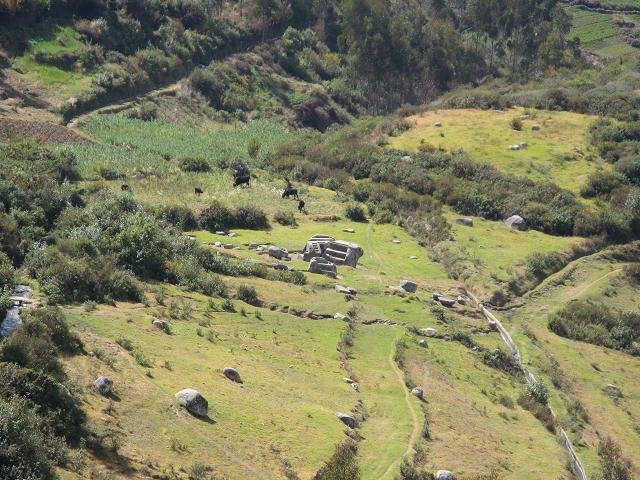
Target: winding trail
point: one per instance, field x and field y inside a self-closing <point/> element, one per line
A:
<point x="414" y="417"/>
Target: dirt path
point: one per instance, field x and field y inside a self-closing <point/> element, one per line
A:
<point x="597" y="280"/>
<point x="123" y="103"/>
<point x="414" y="417"/>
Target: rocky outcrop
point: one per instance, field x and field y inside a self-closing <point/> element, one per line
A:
<point x="516" y="222"/>
<point x="103" y="385"/>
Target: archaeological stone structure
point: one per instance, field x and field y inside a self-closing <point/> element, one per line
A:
<point x="335" y="251"/>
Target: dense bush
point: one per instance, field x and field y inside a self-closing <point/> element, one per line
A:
<point x="28" y="447"/>
<point x="193" y="164"/>
<point x="613" y="464"/>
<point x="180" y="217"/>
<point x="47" y="396"/>
<point x="355" y="212"/>
<point x="541" y="265"/>
<point x="217" y="217"/>
<point x="501" y="360"/>
<point x="285" y="218"/>
<point x="248" y="294"/>
<point x="596" y="323"/>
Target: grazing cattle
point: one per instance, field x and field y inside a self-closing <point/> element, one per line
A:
<point x="290" y="192"/>
<point x="301" y="206"/>
<point x="198" y="191"/>
<point x="125" y="188"/>
<point x="243" y="180"/>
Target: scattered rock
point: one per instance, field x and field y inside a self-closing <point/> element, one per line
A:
<point x="436" y="295"/>
<point x="253" y="246"/>
<point x="218" y="244"/>
<point x="348" y="380"/>
<point x="280" y="266"/>
<point x="348" y="420"/>
<point x="408" y="286"/>
<point x="341" y="316"/>
<point x="535" y="127"/>
<point x="493" y="325"/>
<point x="524" y="144"/>
<point x="161" y="325"/>
<point x="193" y="402"/>
<point x="395" y="240"/>
<point x="232" y="234"/>
<point x="445" y="475"/>
<point x="347" y="290"/>
<point x="232" y="374"/>
<point x="418" y="392"/>
<point x="447" y="302"/>
<point x="278" y="252"/>
<point x="413" y="257"/>
<point x="429" y="332"/>
<point x="349" y="230"/>
<point x="467" y="222"/>
<point x="423" y="343"/>
<point x="516" y="222"/>
<point x="219" y="232"/>
<point x="228" y="246"/>
<point x="323" y="266"/>
<point x="513" y="147"/>
<point x="437" y="124"/>
<point x="462" y="300"/>
<point x="356" y="387"/>
<point x="103" y="385"/>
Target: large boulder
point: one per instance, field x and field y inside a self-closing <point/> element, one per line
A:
<point x="429" y="332"/>
<point x="445" y="475"/>
<point x="278" y="252"/>
<point x="516" y="222"/>
<point x="103" y="385"/>
<point x="348" y="420"/>
<point x="345" y="290"/>
<point x="467" y="222"/>
<point x="193" y="402"/>
<point x="232" y="374"/>
<point x="408" y="286"/>
<point x="447" y="302"/>
<point x="418" y="392"/>
<point x="161" y="325"/>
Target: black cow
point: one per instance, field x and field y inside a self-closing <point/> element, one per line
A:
<point x="198" y="191"/>
<point x="242" y="180"/>
<point x="125" y="188"/>
<point x="290" y="192"/>
<point x="301" y="206"/>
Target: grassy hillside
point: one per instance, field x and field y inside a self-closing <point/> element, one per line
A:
<point x="556" y="153"/>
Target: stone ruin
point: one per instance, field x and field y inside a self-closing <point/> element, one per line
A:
<point x="335" y="251"/>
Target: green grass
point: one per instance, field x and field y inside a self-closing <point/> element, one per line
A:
<point x="285" y="409"/>
<point x="556" y="153"/>
<point x="62" y="40"/>
<point x="472" y="432"/>
<point x="586" y="368"/>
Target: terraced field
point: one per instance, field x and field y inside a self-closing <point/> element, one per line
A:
<point x="599" y="34"/>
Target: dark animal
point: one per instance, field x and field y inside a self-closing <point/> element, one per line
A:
<point x="242" y="180"/>
<point x="290" y="192"/>
<point x="301" y="206"/>
<point x="198" y="191"/>
<point x="125" y="188"/>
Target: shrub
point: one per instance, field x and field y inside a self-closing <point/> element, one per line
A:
<point x="28" y="448"/>
<point x="250" y="217"/>
<point x="342" y="465"/>
<point x="614" y="466"/>
<point x="600" y="184"/>
<point x="62" y="412"/>
<point x="7" y="273"/>
<point x="355" y="212"/>
<point x="180" y="217"/>
<point x="538" y="391"/>
<point x="501" y="360"/>
<point x="106" y="171"/>
<point x="248" y="294"/>
<point x="633" y="272"/>
<point x="56" y="328"/>
<point x="285" y="218"/>
<point x="228" y="306"/>
<point x="193" y="164"/>
<point x="516" y="124"/>
<point x="215" y="217"/>
<point x="541" y="265"/>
